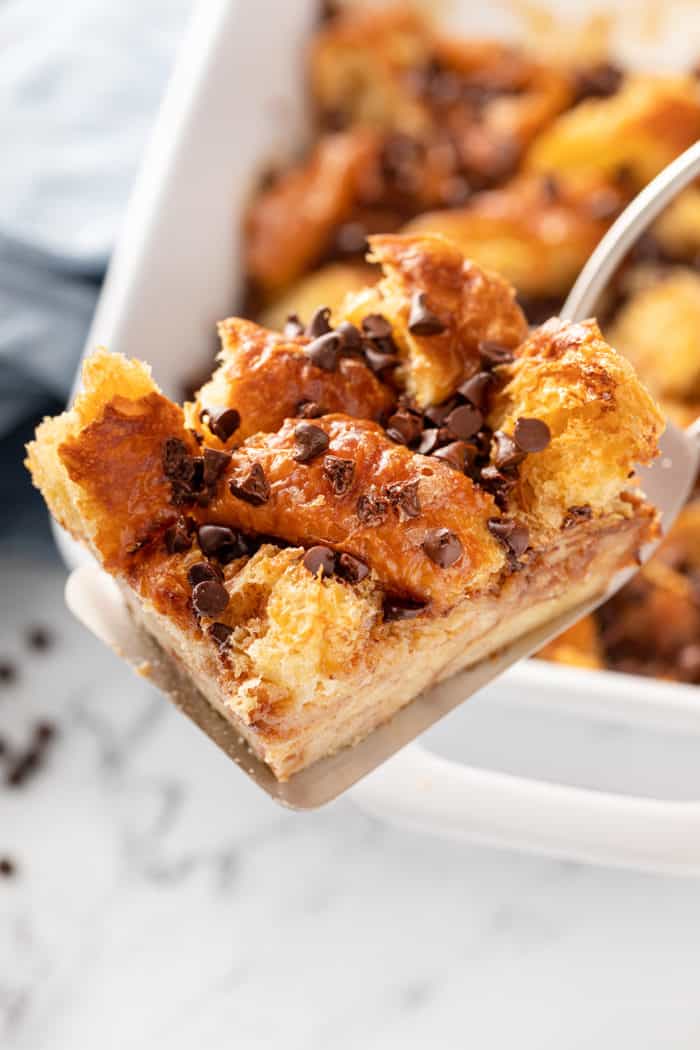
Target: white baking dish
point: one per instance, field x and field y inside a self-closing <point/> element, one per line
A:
<point x="235" y="101"/>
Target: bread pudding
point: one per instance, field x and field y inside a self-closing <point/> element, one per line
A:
<point x="362" y="504"/>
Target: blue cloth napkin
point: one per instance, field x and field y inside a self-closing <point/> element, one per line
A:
<point x="80" y="83"/>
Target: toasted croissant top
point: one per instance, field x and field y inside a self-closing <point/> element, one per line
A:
<point x="477" y="452"/>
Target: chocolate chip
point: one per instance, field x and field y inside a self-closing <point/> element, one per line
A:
<point x="7" y="867"/>
<point x="463" y="422"/>
<point x="351" y="569"/>
<point x="311" y="442"/>
<point x="429" y="442"/>
<point x="319" y="323"/>
<point x="531" y="435"/>
<point x="220" y="542"/>
<point x="397" y="608"/>
<point x="498" y="483"/>
<point x="507" y="453"/>
<point x="214" y="464"/>
<point x="350" y="336"/>
<point x="437" y="414"/>
<point x="575" y="514"/>
<point x="476" y="389"/>
<point x="251" y="485"/>
<point x="514" y="537"/>
<point x="403" y="496"/>
<point x="178" y="538"/>
<point x="320" y="560"/>
<point x="224" y="423"/>
<point x="220" y="632"/>
<point x="404" y="426"/>
<point x="209" y="598"/>
<point x="203" y="570"/>
<point x="379" y="361"/>
<point x="8" y="672"/>
<point x="493" y="354"/>
<point x="454" y="454"/>
<point x="23" y="767"/>
<point x="324" y="350"/>
<point x="598" y="81"/>
<point x="443" y="547"/>
<point x="39" y="638"/>
<point x="309" y="410"/>
<point x="44" y="732"/>
<point x="376" y="326"/>
<point x="372" y="510"/>
<point x="340" y="473"/>
<point x="351" y="238"/>
<point x="421" y="320"/>
<point x="181" y="469"/>
<point x="293" y="327"/>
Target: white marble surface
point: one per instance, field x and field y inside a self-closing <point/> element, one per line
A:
<point x="160" y="900"/>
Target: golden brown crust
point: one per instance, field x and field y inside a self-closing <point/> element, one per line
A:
<point x="639" y="130"/>
<point x="266" y="377"/>
<point x="288" y="225"/>
<point x="601" y="419"/>
<point x="328" y="285"/>
<point x="537" y="232"/>
<point x="364" y="521"/>
<point x="472" y="305"/>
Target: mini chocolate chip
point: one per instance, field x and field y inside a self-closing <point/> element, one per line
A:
<point x="8" y="672"/>
<point x="463" y="422"/>
<point x="209" y="598"/>
<point x="203" y="570"/>
<point x="531" y="435"/>
<point x="214" y="464"/>
<point x="350" y="335"/>
<point x="422" y="321"/>
<point x="340" y="473"/>
<point x="429" y="442"/>
<point x="378" y="360"/>
<point x="7" y="867"/>
<point x="351" y="238"/>
<point x="507" y="453"/>
<point x="4" y="749"/>
<point x="220" y="542"/>
<point x="443" y="547"/>
<point x="376" y="326"/>
<point x="437" y="414"/>
<point x="372" y="510"/>
<point x="311" y="442"/>
<point x="324" y="350"/>
<point x="320" y="560"/>
<point x="584" y="512"/>
<point x="251" y="485"/>
<point x="351" y="569"/>
<point x="408" y="425"/>
<point x="454" y="454"/>
<point x="175" y="455"/>
<point x="44" y="732"/>
<point x="293" y="327"/>
<point x="476" y="389"/>
<point x="177" y="538"/>
<point x="514" y="537"/>
<point x="319" y="323"/>
<point x="309" y="410"/>
<point x="224" y="423"/>
<point x="220" y="632"/>
<point x="23" y="767"/>
<point x="397" y="608"/>
<point x="403" y="495"/>
<point x="493" y="354"/>
<point x="39" y="638"/>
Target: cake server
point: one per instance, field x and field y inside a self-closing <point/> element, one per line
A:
<point x="97" y="602"/>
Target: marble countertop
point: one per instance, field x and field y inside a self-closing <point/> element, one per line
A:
<point x="160" y="899"/>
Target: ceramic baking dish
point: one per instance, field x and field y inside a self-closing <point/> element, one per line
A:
<point x="235" y="102"/>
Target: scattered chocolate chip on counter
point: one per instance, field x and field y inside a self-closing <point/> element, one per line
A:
<point x="8" y="867"/>
<point x="8" y="672"/>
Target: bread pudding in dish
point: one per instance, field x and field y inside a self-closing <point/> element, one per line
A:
<point x="354" y="508"/>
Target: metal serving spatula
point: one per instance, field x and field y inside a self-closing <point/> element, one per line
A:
<point x="95" y="600"/>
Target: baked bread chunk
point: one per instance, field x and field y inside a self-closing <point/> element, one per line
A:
<point x="313" y="574"/>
